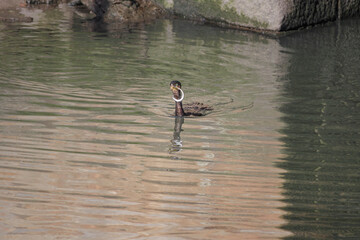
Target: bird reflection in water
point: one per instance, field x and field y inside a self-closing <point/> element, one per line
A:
<point x="176" y="143"/>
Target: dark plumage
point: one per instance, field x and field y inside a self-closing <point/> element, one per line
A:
<point x="192" y="109"/>
<point x="196" y="109"/>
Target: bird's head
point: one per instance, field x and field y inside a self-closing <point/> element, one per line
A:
<point x="175" y="87"/>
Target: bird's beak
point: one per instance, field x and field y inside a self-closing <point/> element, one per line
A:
<point x="173" y="89"/>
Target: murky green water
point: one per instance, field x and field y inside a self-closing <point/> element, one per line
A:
<point x="89" y="149"/>
<point x="322" y="132"/>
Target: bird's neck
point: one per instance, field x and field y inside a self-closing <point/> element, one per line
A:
<point x="179" y="111"/>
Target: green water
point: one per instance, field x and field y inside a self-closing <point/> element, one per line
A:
<point x="322" y="132"/>
<point x="89" y="148"/>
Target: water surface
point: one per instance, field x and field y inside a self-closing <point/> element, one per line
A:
<point x="322" y="132"/>
<point x="89" y="148"/>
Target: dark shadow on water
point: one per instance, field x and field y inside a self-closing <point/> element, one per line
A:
<point x="176" y="143"/>
<point x="322" y="132"/>
<point x="97" y="25"/>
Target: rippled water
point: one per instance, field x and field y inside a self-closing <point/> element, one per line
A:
<point x="89" y="148"/>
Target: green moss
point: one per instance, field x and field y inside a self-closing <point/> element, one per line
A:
<point x="212" y="10"/>
<point x="167" y="4"/>
<point x="216" y="10"/>
<point x="242" y="18"/>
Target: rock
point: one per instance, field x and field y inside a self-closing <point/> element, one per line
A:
<point x="124" y="10"/>
<point x="134" y="10"/>
<point x="10" y="13"/>
<point x="258" y="15"/>
<point x="75" y="3"/>
<point x="348" y="8"/>
<point x="267" y="15"/>
<point x="42" y="1"/>
<point x="307" y="13"/>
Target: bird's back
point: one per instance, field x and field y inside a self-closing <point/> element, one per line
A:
<point x="196" y="109"/>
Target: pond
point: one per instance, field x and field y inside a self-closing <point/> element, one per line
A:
<point x="90" y="149"/>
